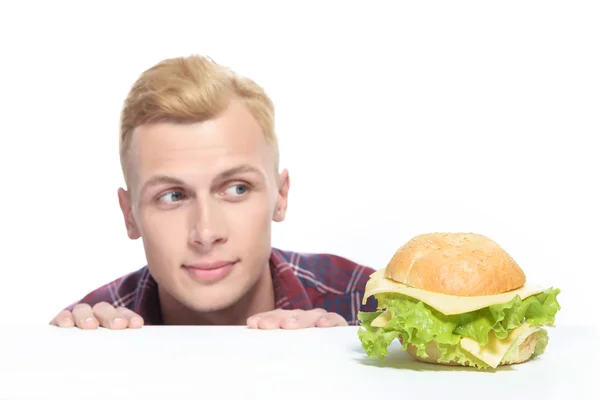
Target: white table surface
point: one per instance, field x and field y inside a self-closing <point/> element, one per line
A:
<point x="236" y="362"/>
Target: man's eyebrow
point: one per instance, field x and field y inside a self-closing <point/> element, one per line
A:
<point x="161" y="180"/>
<point x="244" y="168"/>
<point x="157" y="180"/>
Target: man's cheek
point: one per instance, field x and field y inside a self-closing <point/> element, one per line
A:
<point x="256" y="223"/>
<point x="164" y="225"/>
<point x="164" y="243"/>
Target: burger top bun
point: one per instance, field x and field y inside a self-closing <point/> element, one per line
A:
<point x="458" y="264"/>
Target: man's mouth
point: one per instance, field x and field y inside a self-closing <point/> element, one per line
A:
<point x="206" y="271"/>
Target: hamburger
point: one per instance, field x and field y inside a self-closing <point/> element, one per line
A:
<point x="457" y="299"/>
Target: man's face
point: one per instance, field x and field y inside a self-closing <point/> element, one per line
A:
<point x="200" y="196"/>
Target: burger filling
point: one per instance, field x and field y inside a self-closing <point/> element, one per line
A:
<point x="483" y="338"/>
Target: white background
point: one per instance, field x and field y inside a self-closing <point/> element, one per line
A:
<point x="395" y="118"/>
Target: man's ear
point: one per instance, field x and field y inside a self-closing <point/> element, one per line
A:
<point x="125" y="203"/>
<point x="282" y="196"/>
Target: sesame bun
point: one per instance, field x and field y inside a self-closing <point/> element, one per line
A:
<point x="458" y="264"/>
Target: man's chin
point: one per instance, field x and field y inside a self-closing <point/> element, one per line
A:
<point x="212" y="298"/>
<point x="213" y="305"/>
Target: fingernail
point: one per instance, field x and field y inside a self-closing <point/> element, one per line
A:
<point x="292" y="320"/>
<point x="117" y="320"/>
<point x="88" y="319"/>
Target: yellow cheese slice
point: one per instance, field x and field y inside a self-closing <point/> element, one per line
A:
<point x="446" y="304"/>
<point x="495" y="350"/>
<point x="382" y="320"/>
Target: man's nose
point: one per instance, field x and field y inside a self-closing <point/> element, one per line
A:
<point x="207" y="225"/>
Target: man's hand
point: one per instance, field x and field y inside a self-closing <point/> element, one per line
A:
<point x="295" y="319"/>
<point x="102" y="314"/>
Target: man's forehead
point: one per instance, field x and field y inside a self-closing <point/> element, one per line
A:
<point x="207" y="147"/>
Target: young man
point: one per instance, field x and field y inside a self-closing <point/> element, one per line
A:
<point x="201" y="165"/>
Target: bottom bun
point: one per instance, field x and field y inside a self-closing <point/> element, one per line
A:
<point x="526" y="350"/>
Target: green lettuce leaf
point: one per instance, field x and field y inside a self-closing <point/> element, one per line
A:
<point x="416" y="323"/>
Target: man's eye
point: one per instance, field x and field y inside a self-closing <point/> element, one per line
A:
<point x="171" y="197"/>
<point x="236" y="190"/>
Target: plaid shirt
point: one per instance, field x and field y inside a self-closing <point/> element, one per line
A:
<point x="301" y="281"/>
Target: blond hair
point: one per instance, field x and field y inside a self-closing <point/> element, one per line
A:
<point x="187" y="90"/>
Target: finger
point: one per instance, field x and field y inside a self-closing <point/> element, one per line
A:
<point x="108" y="316"/>
<point x="331" y="320"/>
<point x="64" y="319"/>
<point x="84" y="317"/>
<point x="253" y="321"/>
<point x="269" y="322"/>
<point x="306" y="319"/>
<point x="134" y="321"/>
<point x="290" y="321"/>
